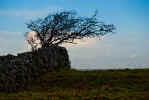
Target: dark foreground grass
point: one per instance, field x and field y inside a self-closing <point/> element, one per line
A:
<point x="87" y="85"/>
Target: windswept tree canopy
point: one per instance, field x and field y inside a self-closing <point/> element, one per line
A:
<point x="65" y="26"/>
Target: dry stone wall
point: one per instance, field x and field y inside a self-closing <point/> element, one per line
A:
<point x="18" y="72"/>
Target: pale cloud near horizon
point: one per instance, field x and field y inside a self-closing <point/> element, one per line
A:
<point x="10" y="34"/>
<point x="133" y="55"/>
<point x="12" y="42"/>
<point x="110" y="53"/>
<point x="85" y="42"/>
<point x="89" y="53"/>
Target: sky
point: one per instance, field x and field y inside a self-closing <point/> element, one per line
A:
<point x="127" y="48"/>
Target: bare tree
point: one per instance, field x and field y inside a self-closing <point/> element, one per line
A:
<point x="65" y="26"/>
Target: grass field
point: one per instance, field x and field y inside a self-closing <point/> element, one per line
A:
<point x="87" y="85"/>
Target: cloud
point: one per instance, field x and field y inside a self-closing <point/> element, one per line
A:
<point x="133" y="55"/>
<point x="115" y="52"/>
<point x="12" y="42"/>
<point x="80" y="43"/>
<point x="90" y="53"/>
<point x="10" y="35"/>
<point x="12" y="46"/>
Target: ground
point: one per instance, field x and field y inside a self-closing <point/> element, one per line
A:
<point x="87" y="85"/>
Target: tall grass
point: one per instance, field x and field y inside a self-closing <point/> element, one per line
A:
<point x="87" y="85"/>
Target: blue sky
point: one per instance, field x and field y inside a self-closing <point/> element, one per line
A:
<point x="127" y="48"/>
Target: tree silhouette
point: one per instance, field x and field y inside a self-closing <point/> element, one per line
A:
<point x="65" y="26"/>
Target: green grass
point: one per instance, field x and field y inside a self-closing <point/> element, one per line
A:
<point x="87" y="85"/>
